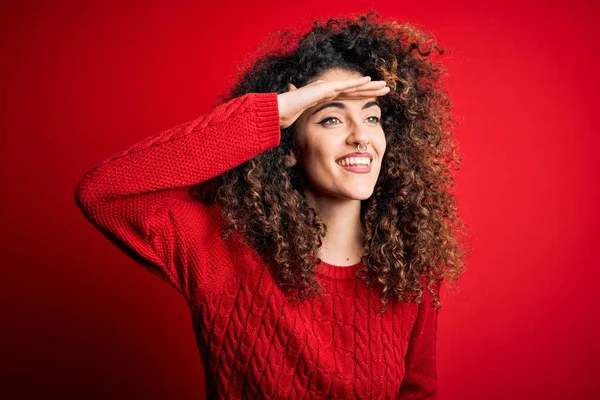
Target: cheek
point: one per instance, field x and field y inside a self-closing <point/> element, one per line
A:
<point x="317" y="161"/>
<point x="382" y="142"/>
<point x="317" y="151"/>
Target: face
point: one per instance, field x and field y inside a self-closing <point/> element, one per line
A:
<point x="329" y="131"/>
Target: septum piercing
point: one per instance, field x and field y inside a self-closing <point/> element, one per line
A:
<point x="358" y="148"/>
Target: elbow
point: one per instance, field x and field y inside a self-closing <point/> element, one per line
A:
<point x="84" y="196"/>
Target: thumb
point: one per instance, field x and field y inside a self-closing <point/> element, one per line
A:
<point x="292" y="87"/>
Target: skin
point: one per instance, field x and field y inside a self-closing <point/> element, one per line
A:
<point x="326" y="136"/>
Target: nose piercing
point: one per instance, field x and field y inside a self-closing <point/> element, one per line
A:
<point x="358" y="148"/>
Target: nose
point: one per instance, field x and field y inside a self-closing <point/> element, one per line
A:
<point x="358" y="134"/>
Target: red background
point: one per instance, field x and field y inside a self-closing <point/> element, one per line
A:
<point x="82" y="81"/>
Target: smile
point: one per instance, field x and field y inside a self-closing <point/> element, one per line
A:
<point x="354" y="161"/>
<point x="358" y="165"/>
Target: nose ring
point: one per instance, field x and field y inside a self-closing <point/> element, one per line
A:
<point x="358" y="148"/>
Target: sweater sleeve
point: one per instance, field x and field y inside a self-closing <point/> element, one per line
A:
<point x="139" y="199"/>
<point x="420" y="378"/>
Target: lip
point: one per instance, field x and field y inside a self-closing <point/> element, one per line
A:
<point x="357" y="170"/>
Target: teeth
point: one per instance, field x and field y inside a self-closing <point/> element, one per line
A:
<point x="354" y="161"/>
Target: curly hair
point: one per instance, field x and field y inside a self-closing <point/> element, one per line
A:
<point x="411" y="226"/>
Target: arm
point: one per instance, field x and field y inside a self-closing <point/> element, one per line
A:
<point x="420" y="377"/>
<point x="138" y="198"/>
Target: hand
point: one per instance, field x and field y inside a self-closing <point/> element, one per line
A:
<point x="294" y="102"/>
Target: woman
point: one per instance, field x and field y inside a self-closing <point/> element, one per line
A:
<point x="307" y="219"/>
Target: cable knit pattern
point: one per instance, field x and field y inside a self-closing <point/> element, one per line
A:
<point x="254" y="344"/>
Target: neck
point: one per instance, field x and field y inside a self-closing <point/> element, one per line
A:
<point x="342" y="244"/>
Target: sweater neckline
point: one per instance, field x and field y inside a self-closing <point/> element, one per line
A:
<point x="338" y="272"/>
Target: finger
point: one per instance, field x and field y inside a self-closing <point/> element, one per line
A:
<point x="384" y="89"/>
<point x="349" y="83"/>
<point x="364" y="94"/>
<point x="321" y="90"/>
<point x="332" y="89"/>
<point x="375" y="85"/>
<point x="292" y="87"/>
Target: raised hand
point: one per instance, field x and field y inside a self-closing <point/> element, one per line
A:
<point x="294" y="102"/>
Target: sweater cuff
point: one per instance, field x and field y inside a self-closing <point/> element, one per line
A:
<point x="267" y="111"/>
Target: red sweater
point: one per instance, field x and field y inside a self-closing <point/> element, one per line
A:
<point x="252" y="341"/>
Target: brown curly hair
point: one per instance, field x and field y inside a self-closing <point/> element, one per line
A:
<point x="412" y="231"/>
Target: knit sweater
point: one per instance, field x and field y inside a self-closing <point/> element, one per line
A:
<point x="253" y="342"/>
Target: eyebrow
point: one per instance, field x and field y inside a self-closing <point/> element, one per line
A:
<point x="337" y="104"/>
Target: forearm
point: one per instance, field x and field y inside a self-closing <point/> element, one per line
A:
<point x="189" y="153"/>
<point x="138" y="198"/>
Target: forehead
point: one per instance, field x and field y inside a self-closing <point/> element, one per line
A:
<point x="339" y="74"/>
<point x="335" y="74"/>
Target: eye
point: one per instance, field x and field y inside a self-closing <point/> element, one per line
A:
<point x="373" y="119"/>
<point x="326" y="121"/>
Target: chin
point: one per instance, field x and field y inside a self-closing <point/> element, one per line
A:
<point x="361" y="194"/>
<point x="347" y="192"/>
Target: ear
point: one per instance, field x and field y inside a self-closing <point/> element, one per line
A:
<point x="290" y="159"/>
